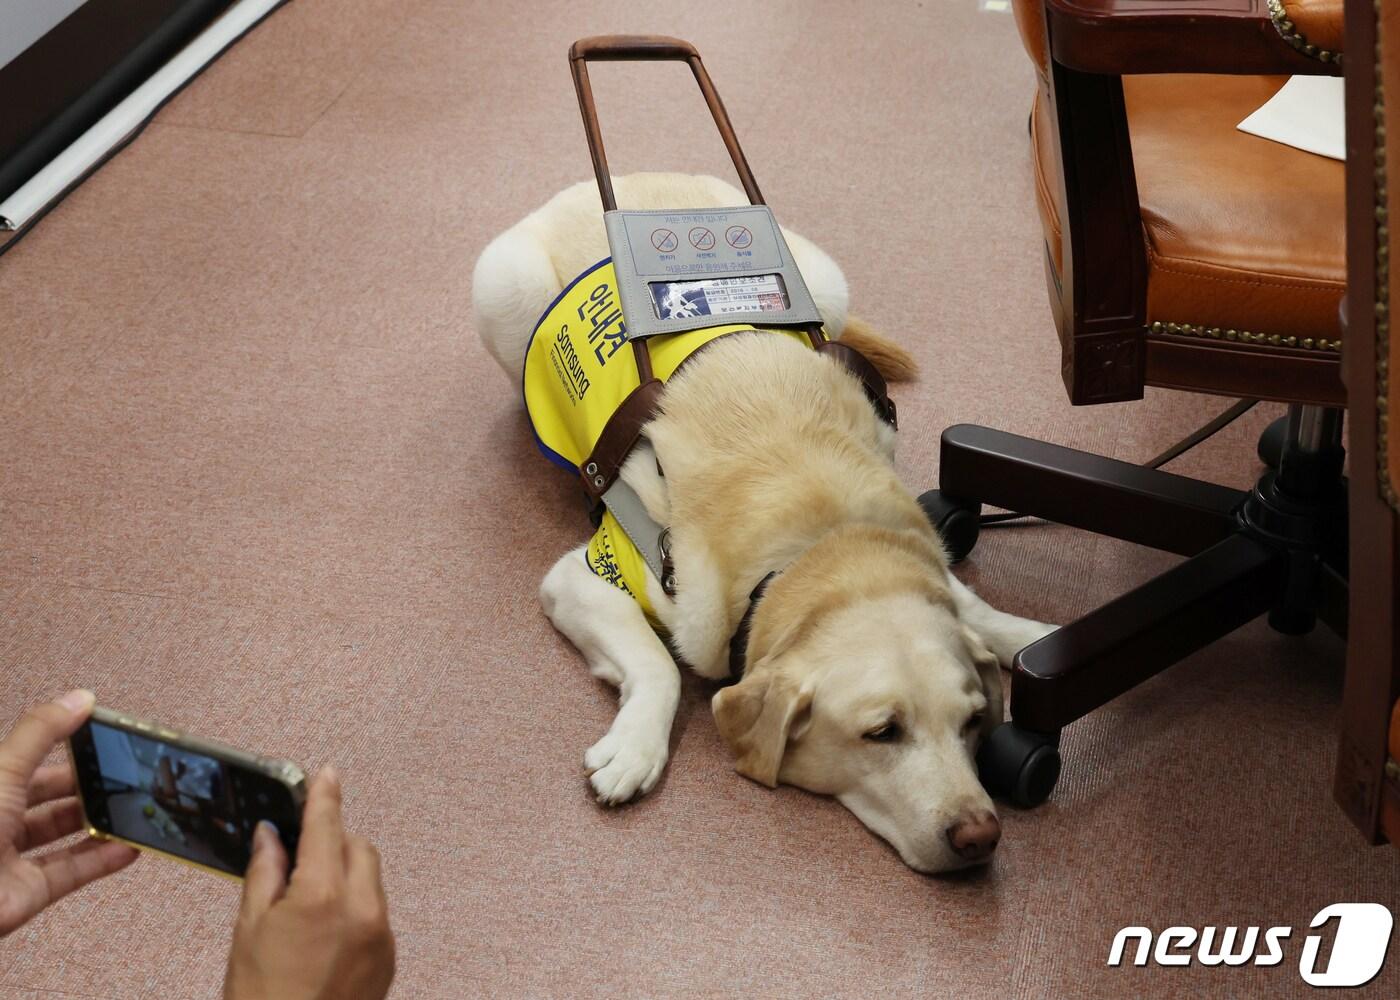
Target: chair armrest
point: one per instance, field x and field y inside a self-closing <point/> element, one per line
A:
<point x="1315" y="27"/>
<point x="1118" y="37"/>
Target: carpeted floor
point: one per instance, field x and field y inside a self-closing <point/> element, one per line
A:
<point x="259" y="479"/>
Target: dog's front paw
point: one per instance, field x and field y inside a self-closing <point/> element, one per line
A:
<point x="626" y="762"/>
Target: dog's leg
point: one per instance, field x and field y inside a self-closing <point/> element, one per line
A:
<point x="1005" y="635"/>
<point x="609" y="629"/>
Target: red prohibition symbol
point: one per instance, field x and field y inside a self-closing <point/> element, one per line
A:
<point x="701" y="238"/>
<point x="664" y="240"/>
<point x="738" y="237"/>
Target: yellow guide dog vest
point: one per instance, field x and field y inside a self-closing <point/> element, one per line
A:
<point x="578" y="375"/>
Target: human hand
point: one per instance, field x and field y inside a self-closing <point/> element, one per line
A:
<point x="37" y="807"/>
<point x="325" y="934"/>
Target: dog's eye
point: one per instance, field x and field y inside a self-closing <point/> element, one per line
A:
<point x="887" y="733"/>
<point x="974" y="721"/>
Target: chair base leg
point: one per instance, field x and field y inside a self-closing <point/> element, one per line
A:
<point x="1278" y="550"/>
<point x="1105" y="496"/>
<point x="1089" y="662"/>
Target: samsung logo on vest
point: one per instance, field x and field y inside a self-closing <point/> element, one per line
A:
<point x="564" y="347"/>
<point x="1358" y="947"/>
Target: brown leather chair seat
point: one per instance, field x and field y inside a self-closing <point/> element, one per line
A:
<point x="1222" y="257"/>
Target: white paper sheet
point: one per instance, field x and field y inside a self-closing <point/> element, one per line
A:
<point x="1308" y="113"/>
<point x="121" y="121"/>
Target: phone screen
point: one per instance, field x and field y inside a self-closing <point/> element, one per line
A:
<point x="195" y="806"/>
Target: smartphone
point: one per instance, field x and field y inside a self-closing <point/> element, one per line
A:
<point x="189" y="799"/>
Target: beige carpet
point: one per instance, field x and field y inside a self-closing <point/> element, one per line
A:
<point x="259" y="479"/>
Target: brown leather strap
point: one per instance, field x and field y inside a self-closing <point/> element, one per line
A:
<point x="625" y="426"/>
<point x="642" y="353"/>
<point x="854" y="362"/>
<point x="619" y="437"/>
<point x="869" y="375"/>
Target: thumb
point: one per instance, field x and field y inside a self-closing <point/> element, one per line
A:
<point x="266" y="878"/>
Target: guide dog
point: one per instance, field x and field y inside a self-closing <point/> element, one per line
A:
<point x="869" y="673"/>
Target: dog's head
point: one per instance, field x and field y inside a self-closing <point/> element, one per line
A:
<point x="866" y="686"/>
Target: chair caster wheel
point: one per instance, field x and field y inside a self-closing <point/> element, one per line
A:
<point x="956" y="521"/>
<point x="1018" y="765"/>
<point x="1271" y="442"/>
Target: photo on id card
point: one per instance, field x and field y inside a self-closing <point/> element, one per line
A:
<point x="719" y="296"/>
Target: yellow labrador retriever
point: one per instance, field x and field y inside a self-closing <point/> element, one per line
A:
<point x="870" y="672"/>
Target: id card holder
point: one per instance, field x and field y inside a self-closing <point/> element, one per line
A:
<point x="690" y="269"/>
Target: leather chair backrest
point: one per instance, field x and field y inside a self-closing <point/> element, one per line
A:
<point x="1389" y="354"/>
<point x="1389" y="28"/>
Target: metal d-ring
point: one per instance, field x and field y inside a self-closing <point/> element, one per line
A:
<point x="668" y="568"/>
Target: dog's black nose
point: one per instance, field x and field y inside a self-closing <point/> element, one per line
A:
<point x="975" y="837"/>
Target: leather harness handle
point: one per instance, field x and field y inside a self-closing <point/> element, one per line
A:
<point x="648" y="48"/>
<point x="653" y="48"/>
<point x="621" y="432"/>
<point x="601" y="48"/>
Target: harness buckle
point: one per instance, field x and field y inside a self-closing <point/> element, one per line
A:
<point x="668" y="566"/>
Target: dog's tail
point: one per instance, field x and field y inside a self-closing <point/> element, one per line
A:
<point x="892" y="361"/>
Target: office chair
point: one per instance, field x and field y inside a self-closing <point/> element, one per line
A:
<point x="1181" y="253"/>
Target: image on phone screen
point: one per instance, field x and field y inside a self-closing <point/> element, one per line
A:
<point x="169" y="798"/>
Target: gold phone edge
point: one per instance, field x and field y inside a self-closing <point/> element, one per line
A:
<point x="174" y="737"/>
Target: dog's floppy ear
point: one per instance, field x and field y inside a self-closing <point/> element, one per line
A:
<point x="756" y="716"/>
<point x="989" y="672"/>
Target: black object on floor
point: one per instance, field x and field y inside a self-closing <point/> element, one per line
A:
<point x="85" y="66"/>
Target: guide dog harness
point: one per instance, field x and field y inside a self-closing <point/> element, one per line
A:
<point x="588" y="397"/>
